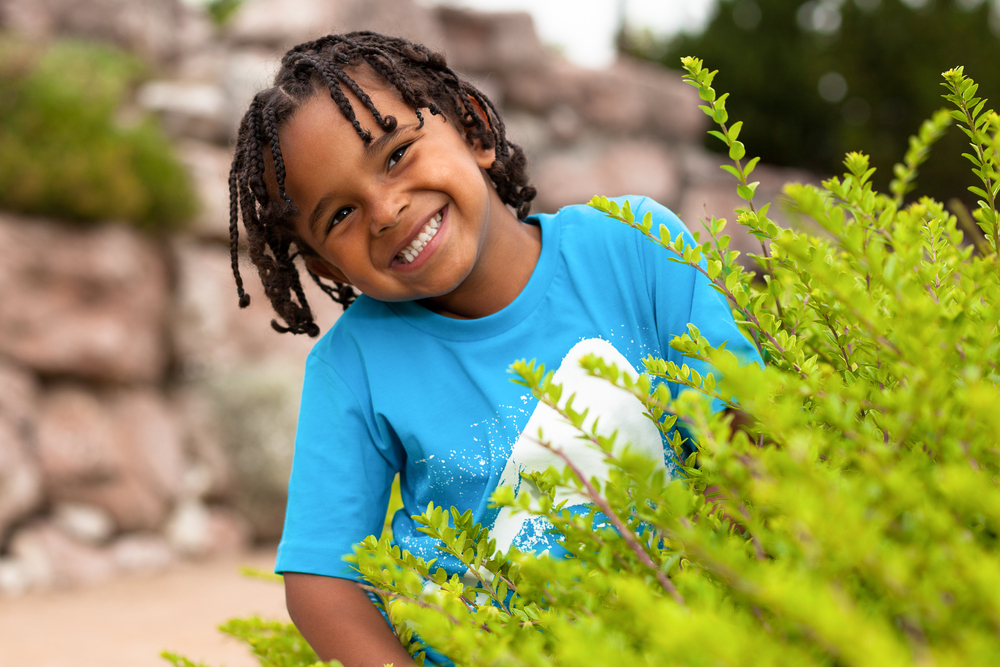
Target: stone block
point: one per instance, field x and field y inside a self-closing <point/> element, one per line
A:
<point x="188" y="109"/>
<point x="280" y="24"/>
<point x="120" y="451"/>
<point x="212" y="333"/>
<point x="489" y="42"/>
<point x="84" y="302"/>
<point x="209" y="168"/>
<point x="20" y="476"/>
<point x="84" y="523"/>
<point x="151" y="28"/>
<point x="142" y="553"/>
<point x="624" y="167"/>
<point x="197" y="530"/>
<point x="52" y="559"/>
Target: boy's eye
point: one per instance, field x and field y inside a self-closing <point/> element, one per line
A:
<point x="397" y="155"/>
<point x="340" y="215"/>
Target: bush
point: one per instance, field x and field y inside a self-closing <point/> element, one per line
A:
<point x="63" y="153"/>
<point x="854" y="521"/>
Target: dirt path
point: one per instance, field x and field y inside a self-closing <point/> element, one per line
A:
<point x="126" y="623"/>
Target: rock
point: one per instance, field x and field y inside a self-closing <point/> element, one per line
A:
<point x="541" y="87"/>
<point x="86" y="302"/>
<point x="18" y="395"/>
<point x="488" y="42"/>
<point x="402" y="18"/>
<point x="152" y="438"/>
<point x="20" y="477"/>
<point x="211" y="333"/>
<point x="564" y="123"/>
<point x="634" y="96"/>
<point x="283" y="23"/>
<point x="210" y="476"/>
<point x="280" y="24"/>
<point x="228" y="531"/>
<point x="623" y="167"/>
<point x="147" y="27"/>
<point x="258" y="411"/>
<point x="15" y="578"/>
<point x="531" y="132"/>
<point x="197" y="530"/>
<point x="143" y="553"/>
<point x="188" y="109"/>
<point x="52" y="559"/>
<point x="76" y="439"/>
<point x="245" y="71"/>
<point x="209" y="169"/>
<point x="120" y="451"/>
<point x="187" y="528"/>
<point x="629" y="98"/>
<point x="84" y="523"/>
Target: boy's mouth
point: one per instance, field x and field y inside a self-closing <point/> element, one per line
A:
<point x="410" y="252"/>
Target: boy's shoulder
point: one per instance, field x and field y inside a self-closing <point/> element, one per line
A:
<point x="586" y="216"/>
<point x="364" y="320"/>
<point x="585" y="229"/>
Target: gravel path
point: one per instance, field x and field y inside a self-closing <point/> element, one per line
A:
<point x="127" y="622"/>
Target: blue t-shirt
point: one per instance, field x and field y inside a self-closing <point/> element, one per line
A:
<point x="394" y="387"/>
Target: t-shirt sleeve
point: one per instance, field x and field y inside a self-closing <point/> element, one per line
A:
<point x="341" y="478"/>
<point x="682" y="295"/>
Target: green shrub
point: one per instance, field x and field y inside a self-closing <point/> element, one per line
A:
<point x="63" y="153"/>
<point x="854" y="521"/>
<point x="222" y="10"/>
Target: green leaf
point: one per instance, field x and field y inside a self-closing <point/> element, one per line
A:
<point x="734" y="130"/>
<point x="731" y="169"/>
<point x="720" y="135"/>
<point x="713" y="268"/>
<point x="737" y="150"/>
<point x="747" y="191"/>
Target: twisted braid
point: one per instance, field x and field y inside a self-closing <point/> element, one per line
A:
<point x="325" y="66"/>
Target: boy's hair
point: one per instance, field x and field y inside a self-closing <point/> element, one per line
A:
<point x="423" y="80"/>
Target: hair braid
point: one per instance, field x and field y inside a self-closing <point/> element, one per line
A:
<point x="234" y="228"/>
<point x="271" y="129"/>
<point x="329" y="65"/>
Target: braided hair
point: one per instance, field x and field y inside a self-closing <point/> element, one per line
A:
<point x="423" y="80"/>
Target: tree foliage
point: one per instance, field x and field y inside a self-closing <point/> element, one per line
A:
<point x="854" y="521"/>
<point x="876" y="61"/>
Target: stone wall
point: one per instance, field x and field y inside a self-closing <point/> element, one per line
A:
<point x="143" y="416"/>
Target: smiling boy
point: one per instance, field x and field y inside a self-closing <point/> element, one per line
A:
<point x="389" y="174"/>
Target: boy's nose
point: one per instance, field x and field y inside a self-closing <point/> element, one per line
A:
<point x="386" y="211"/>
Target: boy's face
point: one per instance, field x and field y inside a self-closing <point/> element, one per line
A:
<point x="407" y="217"/>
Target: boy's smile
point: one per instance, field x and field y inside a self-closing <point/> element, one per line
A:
<point x="412" y="216"/>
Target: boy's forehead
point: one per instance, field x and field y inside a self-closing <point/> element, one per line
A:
<point x="386" y="99"/>
<point x="322" y="113"/>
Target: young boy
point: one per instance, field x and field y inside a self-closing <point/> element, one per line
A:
<point x="389" y="174"/>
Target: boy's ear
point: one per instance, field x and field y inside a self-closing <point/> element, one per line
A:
<point x="325" y="269"/>
<point x="484" y="156"/>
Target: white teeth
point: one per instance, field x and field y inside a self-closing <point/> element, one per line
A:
<point x="410" y="252"/>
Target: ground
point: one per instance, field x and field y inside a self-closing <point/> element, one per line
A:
<point x="127" y="622"/>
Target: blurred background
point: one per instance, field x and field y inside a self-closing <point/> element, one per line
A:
<point x="146" y="422"/>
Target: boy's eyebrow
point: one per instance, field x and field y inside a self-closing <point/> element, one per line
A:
<point x="371" y="150"/>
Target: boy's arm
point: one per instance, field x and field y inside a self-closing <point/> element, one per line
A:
<point x="340" y="622"/>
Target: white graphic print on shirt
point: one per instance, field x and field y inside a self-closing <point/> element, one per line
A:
<point x="614" y="409"/>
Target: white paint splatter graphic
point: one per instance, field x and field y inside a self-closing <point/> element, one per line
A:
<point x="615" y="410"/>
